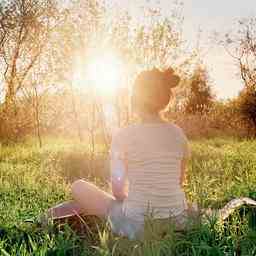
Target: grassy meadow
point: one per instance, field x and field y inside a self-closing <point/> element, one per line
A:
<point x="33" y="179"/>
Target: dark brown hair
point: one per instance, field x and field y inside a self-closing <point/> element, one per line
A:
<point x="152" y="89"/>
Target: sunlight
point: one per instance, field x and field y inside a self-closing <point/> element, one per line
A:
<point x="105" y="73"/>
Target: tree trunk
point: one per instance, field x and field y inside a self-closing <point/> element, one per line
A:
<point x="79" y="132"/>
<point x="37" y="118"/>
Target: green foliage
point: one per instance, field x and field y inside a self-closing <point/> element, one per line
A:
<point x="242" y="42"/>
<point x="220" y="170"/>
<point x="31" y="180"/>
<point x="247" y="105"/>
<point x="200" y="98"/>
<point x="224" y="119"/>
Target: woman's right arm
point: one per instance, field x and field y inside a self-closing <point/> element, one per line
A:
<point x="184" y="160"/>
<point x="183" y="171"/>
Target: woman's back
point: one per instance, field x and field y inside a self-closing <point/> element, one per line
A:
<point x="153" y="153"/>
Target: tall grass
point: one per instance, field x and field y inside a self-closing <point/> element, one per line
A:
<point x="33" y="179"/>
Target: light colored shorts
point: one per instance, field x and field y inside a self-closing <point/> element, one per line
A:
<point x="121" y="224"/>
<point x="132" y="229"/>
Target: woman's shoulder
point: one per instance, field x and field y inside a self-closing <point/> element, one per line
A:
<point x="133" y="129"/>
<point x="175" y="127"/>
<point x="177" y="130"/>
<point x="124" y="131"/>
<point x="125" y="134"/>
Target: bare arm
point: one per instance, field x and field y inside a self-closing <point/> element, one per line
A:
<point x="183" y="179"/>
<point x="183" y="171"/>
<point x="118" y="168"/>
<point x="184" y="162"/>
<point x="118" y="178"/>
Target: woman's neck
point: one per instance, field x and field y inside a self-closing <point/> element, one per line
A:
<point x="151" y="118"/>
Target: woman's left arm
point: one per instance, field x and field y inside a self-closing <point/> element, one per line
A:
<point x="118" y="168"/>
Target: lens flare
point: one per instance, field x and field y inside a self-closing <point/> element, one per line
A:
<point x="105" y="73"/>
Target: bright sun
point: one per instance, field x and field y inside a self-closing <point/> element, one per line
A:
<point x="105" y="72"/>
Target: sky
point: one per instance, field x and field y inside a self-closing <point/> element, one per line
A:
<point x="208" y="16"/>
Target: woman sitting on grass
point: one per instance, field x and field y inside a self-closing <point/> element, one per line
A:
<point x="149" y="156"/>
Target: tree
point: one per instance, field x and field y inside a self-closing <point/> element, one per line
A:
<point x="200" y="97"/>
<point x="24" y="28"/>
<point x="156" y="43"/>
<point x="241" y="45"/>
<point x="42" y="44"/>
<point x="30" y="55"/>
<point x="247" y="106"/>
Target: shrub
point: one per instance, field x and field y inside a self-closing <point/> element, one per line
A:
<point x="200" y="98"/>
<point x="247" y="106"/>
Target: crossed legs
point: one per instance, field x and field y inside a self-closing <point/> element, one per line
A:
<point x="88" y="199"/>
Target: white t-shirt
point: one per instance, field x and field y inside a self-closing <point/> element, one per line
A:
<point x="152" y="154"/>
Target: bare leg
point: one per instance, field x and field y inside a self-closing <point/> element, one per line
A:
<point x="88" y="199"/>
<point x="91" y="199"/>
<point x="65" y="209"/>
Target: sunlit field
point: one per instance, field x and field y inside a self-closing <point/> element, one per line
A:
<point x="33" y="179"/>
<point x="72" y="73"/>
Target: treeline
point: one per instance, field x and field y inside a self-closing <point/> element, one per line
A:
<point x="42" y="43"/>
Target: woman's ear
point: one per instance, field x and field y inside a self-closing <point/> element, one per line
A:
<point x="172" y="79"/>
<point x="169" y="71"/>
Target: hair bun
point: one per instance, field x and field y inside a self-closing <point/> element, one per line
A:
<point x="171" y="79"/>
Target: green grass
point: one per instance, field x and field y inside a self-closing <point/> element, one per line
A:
<point x="33" y="179"/>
